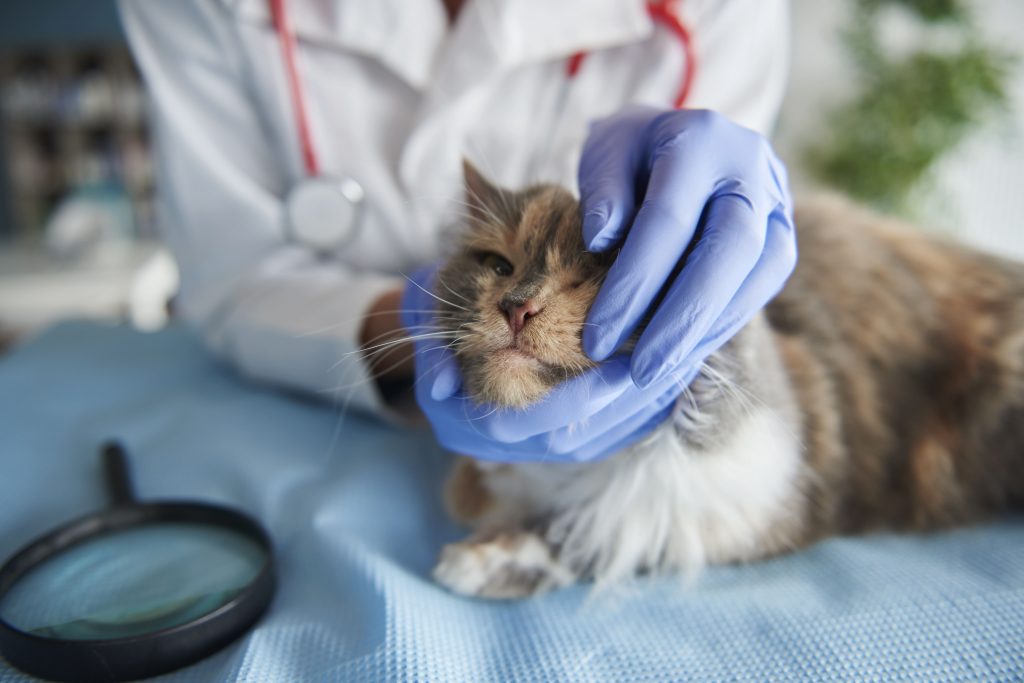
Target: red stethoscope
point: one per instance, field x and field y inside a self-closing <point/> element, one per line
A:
<point x="324" y="212"/>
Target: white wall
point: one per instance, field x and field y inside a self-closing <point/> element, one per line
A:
<point x="977" y="193"/>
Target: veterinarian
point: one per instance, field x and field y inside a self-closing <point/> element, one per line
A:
<point x="309" y="159"/>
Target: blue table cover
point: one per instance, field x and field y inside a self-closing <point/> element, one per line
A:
<point x="354" y="508"/>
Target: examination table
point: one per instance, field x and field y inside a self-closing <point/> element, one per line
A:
<point x="354" y="509"/>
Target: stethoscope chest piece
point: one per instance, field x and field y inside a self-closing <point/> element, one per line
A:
<point x="324" y="213"/>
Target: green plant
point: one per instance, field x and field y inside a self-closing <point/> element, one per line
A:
<point x="911" y="109"/>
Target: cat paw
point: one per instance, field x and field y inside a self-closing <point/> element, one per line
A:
<point x="508" y="565"/>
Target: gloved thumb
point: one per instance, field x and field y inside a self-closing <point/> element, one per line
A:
<point x="447" y="378"/>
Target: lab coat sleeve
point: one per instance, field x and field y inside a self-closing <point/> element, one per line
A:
<point x="276" y="311"/>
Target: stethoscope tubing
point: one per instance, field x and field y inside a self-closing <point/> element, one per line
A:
<point x="663" y="12"/>
<point x="286" y="38"/>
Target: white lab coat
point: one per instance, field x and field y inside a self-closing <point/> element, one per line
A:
<point x="395" y="97"/>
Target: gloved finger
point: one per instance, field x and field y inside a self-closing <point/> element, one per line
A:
<point x="461" y="426"/>
<point x="541" y="448"/>
<point x="493" y="451"/>
<point x="464" y="428"/>
<point x="601" y="427"/>
<point x="572" y="401"/>
<point x="729" y="247"/>
<point x="447" y="380"/>
<point x="608" y="171"/>
<point x="664" y="226"/>
<point x="457" y="432"/>
<point x="761" y="286"/>
<point x="625" y="433"/>
<point x="430" y="358"/>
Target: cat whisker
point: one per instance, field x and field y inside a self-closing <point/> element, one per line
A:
<point x="414" y="329"/>
<point x="372" y="349"/>
<point x="377" y="348"/>
<point x="738" y="393"/>
<point x="372" y="376"/>
<point x="470" y="420"/>
<point x="468" y="216"/>
<point x="429" y="293"/>
<point x="435" y="348"/>
<point x="383" y="371"/>
<point x="489" y="169"/>
<point x="445" y="285"/>
<point x="485" y="415"/>
<point x="741" y="393"/>
<point x="482" y="204"/>
<point x="463" y="216"/>
<point x="347" y="321"/>
<point x="403" y="340"/>
<point x="468" y="205"/>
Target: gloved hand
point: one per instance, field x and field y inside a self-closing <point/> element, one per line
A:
<point x="701" y="177"/>
<point x="585" y="418"/>
<point x="664" y="185"/>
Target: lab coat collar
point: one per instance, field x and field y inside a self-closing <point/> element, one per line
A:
<point x="526" y="31"/>
<point x="407" y="36"/>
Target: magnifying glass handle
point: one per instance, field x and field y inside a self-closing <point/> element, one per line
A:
<point x="119" y="480"/>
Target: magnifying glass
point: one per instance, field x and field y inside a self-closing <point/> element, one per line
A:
<point x="135" y="590"/>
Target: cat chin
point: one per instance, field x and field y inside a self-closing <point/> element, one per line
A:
<point x="509" y="379"/>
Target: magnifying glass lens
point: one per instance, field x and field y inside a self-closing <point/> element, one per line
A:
<point x="132" y="582"/>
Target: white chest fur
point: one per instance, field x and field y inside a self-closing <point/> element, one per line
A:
<point x="660" y="505"/>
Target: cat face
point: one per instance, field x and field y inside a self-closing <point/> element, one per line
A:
<point x="517" y="292"/>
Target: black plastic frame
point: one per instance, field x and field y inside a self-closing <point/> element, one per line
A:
<point x="145" y="655"/>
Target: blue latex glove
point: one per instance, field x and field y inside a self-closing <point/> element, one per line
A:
<point x="585" y="418"/>
<point x="651" y="181"/>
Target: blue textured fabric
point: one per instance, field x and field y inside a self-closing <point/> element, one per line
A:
<point x="354" y="508"/>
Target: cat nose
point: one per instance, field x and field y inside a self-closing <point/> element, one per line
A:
<point x="517" y="312"/>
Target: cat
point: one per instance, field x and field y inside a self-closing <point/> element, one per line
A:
<point x="882" y="388"/>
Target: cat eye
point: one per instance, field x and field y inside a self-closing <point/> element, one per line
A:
<point x="498" y="264"/>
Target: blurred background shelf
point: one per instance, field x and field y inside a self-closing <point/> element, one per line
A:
<point x="73" y="120"/>
<point x="76" y="178"/>
<point x="56" y="34"/>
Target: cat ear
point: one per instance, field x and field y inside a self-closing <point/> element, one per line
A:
<point x="485" y="200"/>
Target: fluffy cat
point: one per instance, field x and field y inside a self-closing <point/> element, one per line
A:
<point x="884" y="387"/>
